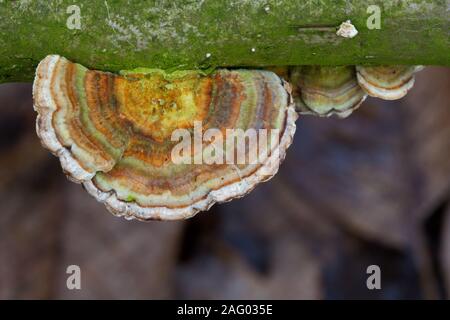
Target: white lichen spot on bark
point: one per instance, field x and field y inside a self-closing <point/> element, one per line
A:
<point x="126" y="32"/>
<point x="411" y="6"/>
<point x="21" y="4"/>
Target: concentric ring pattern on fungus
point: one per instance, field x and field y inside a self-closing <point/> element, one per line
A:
<point x="326" y="90"/>
<point x="113" y="133"/>
<point x="387" y="82"/>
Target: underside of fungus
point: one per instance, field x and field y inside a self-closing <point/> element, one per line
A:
<point x="113" y="133"/>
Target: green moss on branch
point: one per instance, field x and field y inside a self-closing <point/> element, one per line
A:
<point x="190" y="34"/>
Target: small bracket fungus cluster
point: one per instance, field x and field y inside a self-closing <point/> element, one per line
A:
<point x="326" y="90"/>
<point x="113" y="133"/>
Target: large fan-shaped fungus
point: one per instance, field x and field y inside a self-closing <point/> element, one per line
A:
<point x="114" y="133"/>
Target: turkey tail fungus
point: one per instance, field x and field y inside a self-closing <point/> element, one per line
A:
<point x="326" y="90"/>
<point x="387" y="82"/>
<point x="115" y="133"/>
<point x="156" y="145"/>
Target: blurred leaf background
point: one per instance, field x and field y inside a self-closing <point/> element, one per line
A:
<point x="371" y="189"/>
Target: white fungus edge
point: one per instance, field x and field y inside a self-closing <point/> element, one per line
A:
<point x="386" y="93"/>
<point x="45" y="106"/>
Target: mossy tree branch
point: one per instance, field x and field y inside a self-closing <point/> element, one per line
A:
<point x="189" y="34"/>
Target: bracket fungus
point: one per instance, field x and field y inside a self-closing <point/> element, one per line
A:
<point x="119" y="134"/>
<point x="339" y="90"/>
<point x="326" y="91"/>
<point x="387" y="82"/>
<point x="114" y="133"/>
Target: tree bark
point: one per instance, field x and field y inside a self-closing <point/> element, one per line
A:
<point x="190" y="34"/>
